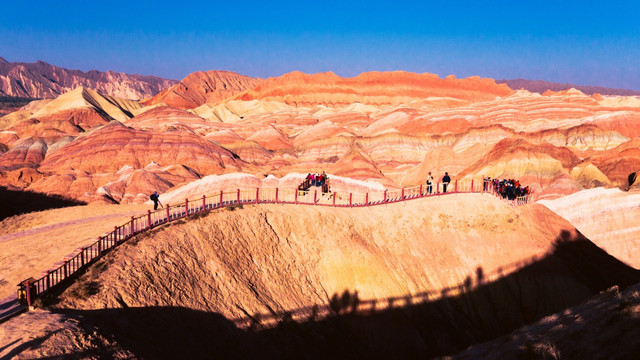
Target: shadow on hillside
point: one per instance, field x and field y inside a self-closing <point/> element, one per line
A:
<point x="403" y="328"/>
<point x="16" y="202"/>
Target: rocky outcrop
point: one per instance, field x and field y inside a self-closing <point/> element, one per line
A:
<point x="70" y="114"/>
<point x="609" y="217"/>
<point x="203" y="87"/>
<point x="42" y="80"/>
<point x="114" y="145"/>
<point x="27" y="153"/>
<point x="372" y="88"/>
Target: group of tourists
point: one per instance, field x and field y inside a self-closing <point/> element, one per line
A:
<point x="446" y="180"/>
<point x="509" y="189"/>
<point x="315" y="180"/>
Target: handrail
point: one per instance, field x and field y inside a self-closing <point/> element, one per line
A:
<point x="138" y="224"/>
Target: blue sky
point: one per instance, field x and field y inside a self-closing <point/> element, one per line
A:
<point x="562" y="41"/>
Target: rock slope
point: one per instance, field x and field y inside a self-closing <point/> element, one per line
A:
<point x="609" y="217"/>
<point x="44" y="81"/>
<point x="203" y="87"/>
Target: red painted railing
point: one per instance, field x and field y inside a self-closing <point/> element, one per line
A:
<point x="85" y="255"/>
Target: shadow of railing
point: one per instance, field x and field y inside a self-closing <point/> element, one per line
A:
<point x="351" y="303"/>
<point x="407" y="327"/>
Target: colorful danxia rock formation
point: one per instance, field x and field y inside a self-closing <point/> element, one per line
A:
<point x="388" y="127"/>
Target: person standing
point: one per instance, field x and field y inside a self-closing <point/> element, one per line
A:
<point x="445" y="181"/>
<point x="156" y="200"/>
<point x="429" y="183"/>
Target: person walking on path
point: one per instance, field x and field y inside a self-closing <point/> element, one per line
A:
<point x="156" y="200"/>
<point x="445" y="181"/>
<point x="429" y="183"/>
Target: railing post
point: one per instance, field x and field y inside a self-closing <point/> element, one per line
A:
<point x="238" y="196"/>
<point x="28" y="284"/>
<point x="257" y="195"/>
<point x="99" y="246"/>
<point x="133" y="229"/>
<point x="204" y="202"/>
<point x="366" y="199"/>
<point x="221" y="196"/>
<point x="420" y="190"/>
<point x="456" y="187"/>
<point x="334" y="198"/>
<point x="315" y="196"/>
<point x="471" y="185"/>
<point x="402" y="194"/>
<point x="148" y="219"/>
<point x="168" y="213"/>
<point x="437" y="187"/>
<point x="82" y="257"/>
<point x="115" y="234"/>
<point x="48" y="280"/>
<point x="186" y="207"/>
<point x="65" y="266"/>
<point x="276" y="195"/>
<point x="350" y="199"/>
<point x="296" y="197"/>
<point x="385" y="195"/>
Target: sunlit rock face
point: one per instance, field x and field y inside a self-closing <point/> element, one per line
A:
<point x="203" y="87"/>
<point x="609" y="217"/>
<point x="42" y="80"/>
<point x="390" y="127"/>
<point x="372" y="88"/>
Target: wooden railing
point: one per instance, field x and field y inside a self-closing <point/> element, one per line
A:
<point x="86" y="255"/>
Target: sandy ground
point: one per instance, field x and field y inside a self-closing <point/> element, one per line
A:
<point x="41" y="334"/>
<point x="31" y="243"/>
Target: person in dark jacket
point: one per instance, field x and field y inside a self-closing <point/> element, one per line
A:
<point x="156" y="200"/>
<point x="445" y="181"/>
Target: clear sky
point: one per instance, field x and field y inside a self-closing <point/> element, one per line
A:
<point x="581" y="42"/>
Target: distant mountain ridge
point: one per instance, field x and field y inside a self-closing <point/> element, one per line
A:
<point x="541" y="86"/>
<point x="45" y="81"/>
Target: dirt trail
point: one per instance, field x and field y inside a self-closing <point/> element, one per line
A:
<point x="46" y="228"/>
<point x="32" y="242"/>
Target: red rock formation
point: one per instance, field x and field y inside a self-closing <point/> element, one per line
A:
<point x="42" y="80"/>
<point x="372" y="88"/>
<point x="565" y="138"/>
<point x="203" y="87"/>
<point x="26" y="153"/>
<point x="167" y="118"/>
<point x="113" y="146"/>
<point x="609" y="217"/>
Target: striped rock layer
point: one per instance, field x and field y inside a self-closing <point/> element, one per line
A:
<point x="392" y="128"/>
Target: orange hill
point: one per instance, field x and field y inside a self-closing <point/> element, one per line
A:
<point x="374" y="88"/>
<point x="203" y="87"/>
